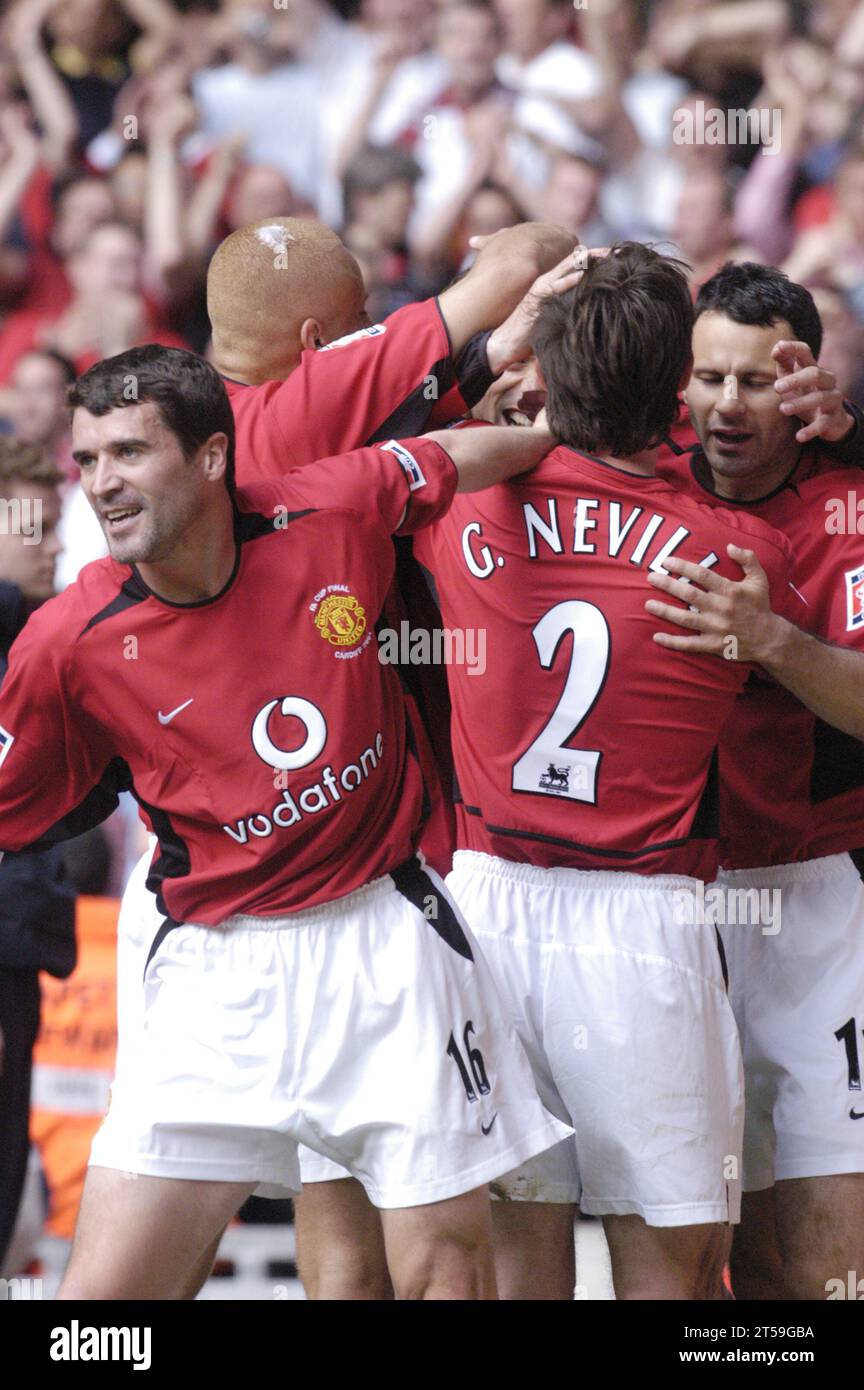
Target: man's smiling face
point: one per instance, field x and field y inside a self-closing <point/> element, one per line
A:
<point x="137" y="480"/>
<point x="514" y="398"/>
<point x="749" y="443"/>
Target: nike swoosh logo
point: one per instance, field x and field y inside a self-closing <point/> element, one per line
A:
<point x="484" y="1129"/>
<point x="166" y="718"/>
<point x="856" y="1114"/>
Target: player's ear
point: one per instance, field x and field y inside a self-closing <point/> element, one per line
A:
<point x="686" y="374"/>
<point x="215" y="457"/>
<point x="311" y="335"/>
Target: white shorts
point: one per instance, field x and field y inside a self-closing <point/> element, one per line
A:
<point x="620" y="1001"/>
<point x="367" y="1028"/>
<point x="798" y="996"/>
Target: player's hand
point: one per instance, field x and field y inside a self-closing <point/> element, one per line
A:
<point x="511" y="341"/>
<point x="729" y="618"/>
<point x="810" y="392"/>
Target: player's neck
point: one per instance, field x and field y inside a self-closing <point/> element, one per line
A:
<point x="199" y="567"/>
<point x="251" y="373"/>
<point x="644" y="465"/>
<point x="745" y="489"/>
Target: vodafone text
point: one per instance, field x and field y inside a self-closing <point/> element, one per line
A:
<point x="318" y="796"/>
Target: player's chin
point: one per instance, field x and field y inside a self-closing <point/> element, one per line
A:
<point x="734" y="460"/>
<point x="131" y="550"/>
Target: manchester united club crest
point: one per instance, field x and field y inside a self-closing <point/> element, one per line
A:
<point x="340" y="618"/>
<point x="855" y="599"/>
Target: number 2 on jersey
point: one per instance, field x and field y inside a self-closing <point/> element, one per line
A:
<point x="549" y="767"/>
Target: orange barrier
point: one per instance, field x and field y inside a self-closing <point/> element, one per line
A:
<point x="73" y="1061"/>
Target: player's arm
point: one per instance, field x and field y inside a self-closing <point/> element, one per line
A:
<point x="507" y="264"/>
<point x="50" y="756"/>
<point x="491" y="454"/>
<point x="407" y="484"/>
<point x="829" y="680"/>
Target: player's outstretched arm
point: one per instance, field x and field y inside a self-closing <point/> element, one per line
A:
<point x="733" y="619"/>
<point x="507" y="264"/>
<point x="484" y="457"/>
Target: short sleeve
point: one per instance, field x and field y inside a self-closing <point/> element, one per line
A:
<point x="378" y="383"/>
<point x="50" y="754"/>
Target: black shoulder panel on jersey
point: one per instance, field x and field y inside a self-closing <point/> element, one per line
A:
<point x="251" y="525"/>
<point x="411" y="418"/>
<point x="838" y="763"/>
<point x="129" y="595"/>
<point x="97" y="806"/>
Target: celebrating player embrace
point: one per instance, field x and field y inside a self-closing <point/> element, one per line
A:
<point x="310" y="981"/>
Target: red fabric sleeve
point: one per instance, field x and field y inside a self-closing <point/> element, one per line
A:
<point x="50" y="755"/>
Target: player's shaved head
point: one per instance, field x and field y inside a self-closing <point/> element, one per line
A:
<point x="265" y="282"/>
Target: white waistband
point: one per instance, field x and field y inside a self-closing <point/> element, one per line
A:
<point x="591" y="879"/>
<point x="776" y="875"/>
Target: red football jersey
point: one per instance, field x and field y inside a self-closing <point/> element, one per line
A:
<point x="266" y="740"/>
<point x="394" y="378"/>
<point x="380" y="383"/>
<point x="792" y="788"/>
<point x="824" y="520"/>
<point x="579" y="741"/>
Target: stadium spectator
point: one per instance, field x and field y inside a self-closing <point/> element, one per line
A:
<point x="456" y="140"/>
<point x="39" y="408"/>
<point x="264" y="92"/>
<point x="38" y="414"/>
<point x="108" y="311"/>
<point x="36" y="901"/>
<point x="394" y="78"/>
<point x="379" y="196"/>
<point x="57" y="217"/>
<point x="571" y="198"/>
<point x="705" y="225"/>
<point x="832" y="255"/>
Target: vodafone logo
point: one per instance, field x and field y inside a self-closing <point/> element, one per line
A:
<point x="334" y="784"/>
<point x="266" y="730"/>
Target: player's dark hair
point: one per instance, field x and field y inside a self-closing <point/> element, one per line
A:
<point x="613" y="351"/>
<point x="189" y="393"/>
<point x="762" y="295"/>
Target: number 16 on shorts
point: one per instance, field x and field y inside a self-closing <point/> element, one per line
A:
<point x="475" y="1080"/>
